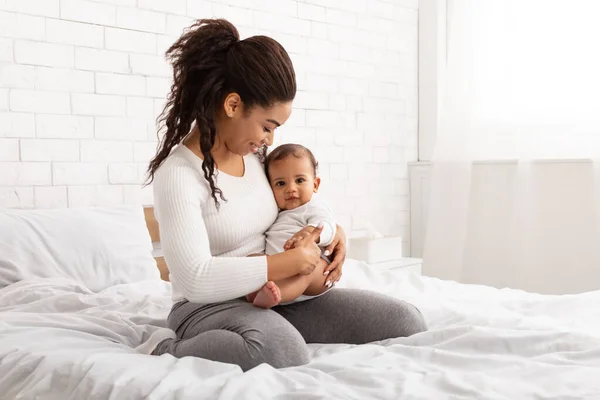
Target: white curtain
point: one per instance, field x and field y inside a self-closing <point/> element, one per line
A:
<point x="515" y="192"/>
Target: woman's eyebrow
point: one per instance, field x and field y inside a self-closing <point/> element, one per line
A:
<point x="274" y="122"/>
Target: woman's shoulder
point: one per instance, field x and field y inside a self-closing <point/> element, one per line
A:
<point x="179" y="171"/>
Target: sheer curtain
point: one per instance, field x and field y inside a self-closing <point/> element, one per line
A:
<point x="515" y="191"/>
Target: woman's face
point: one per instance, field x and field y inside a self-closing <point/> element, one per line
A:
<point x="246" y="132"/>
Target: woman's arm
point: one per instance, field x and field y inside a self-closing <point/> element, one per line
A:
<point x="305" y="255"/>
<point x="201" y="277"/>
<point x="283" y="265"/>
<point x="337" y="248"/>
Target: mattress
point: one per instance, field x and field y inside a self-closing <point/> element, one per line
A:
<point x="58" y="340"/>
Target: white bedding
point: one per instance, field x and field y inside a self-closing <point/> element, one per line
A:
<point x="61" y="341"/>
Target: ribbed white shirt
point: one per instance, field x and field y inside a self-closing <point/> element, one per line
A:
<point x="206" y="248"/>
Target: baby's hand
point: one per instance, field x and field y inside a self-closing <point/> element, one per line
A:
<point x="298" y="236"/>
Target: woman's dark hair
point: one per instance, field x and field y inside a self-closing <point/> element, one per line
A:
<point x="287" y="150"/>
<point x="209" y="62"/>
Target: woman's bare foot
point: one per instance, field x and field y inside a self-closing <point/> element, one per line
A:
<point x="268" y="296"/>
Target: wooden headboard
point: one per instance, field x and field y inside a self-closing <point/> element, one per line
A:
<point x="152" y="225"/>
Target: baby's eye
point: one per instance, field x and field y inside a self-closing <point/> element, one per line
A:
<point x="280" y="183"/>
<point x="300" y="180"/>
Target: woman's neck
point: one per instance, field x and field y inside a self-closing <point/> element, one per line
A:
<point x="219" y="151"/>
<point x="224" y="160"/>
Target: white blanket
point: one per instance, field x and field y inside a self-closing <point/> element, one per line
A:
<point x="60" y="341"/>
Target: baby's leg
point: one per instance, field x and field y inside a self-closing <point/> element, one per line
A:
<point x="317" y="283"/>
<point x="312" y="285"/>
<point x="268" y="296"/>
<point x="272" y="293"/>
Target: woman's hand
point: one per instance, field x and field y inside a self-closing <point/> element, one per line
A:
<point x="309" y="251"/>
<point x="300" y="235"/>
<point x="337" y="249"/>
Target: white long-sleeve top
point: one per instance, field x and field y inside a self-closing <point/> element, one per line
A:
<point x="289" y="222"/>
<point x="206" y="248"/>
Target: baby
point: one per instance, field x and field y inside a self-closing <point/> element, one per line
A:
<point x="292" y="173"/>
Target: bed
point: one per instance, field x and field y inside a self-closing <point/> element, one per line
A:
<point x="67" y="337"/>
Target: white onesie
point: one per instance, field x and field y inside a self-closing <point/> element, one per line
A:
<point x="289" y="222"/>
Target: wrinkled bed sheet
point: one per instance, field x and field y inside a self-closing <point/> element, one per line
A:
<point x="58" y="340"/>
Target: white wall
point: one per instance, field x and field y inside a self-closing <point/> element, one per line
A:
<point x="81" y="83"/>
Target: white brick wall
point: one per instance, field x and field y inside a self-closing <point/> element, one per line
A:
<point x="16" y="76"/>
<point x="13" y="124"/>
<point x="95" y="195"/>
<point x="82" y="82"/>
<point x="88" y="11"/>
<point x="76" y="33"/>
<point x="107" y="83"/>
<point x="141" y="20"/>
<point x="76" y="173"/>
<point x="36" y="7"/>
<point x="9" y="149"/>
<point x="6" y="50"/>
<point x="101" y="60"/>
<point x="48" y="54"/>
<point x="130" y="41"/>
<point x="50" y="197"/>
<point x="123" y="173"/>
<point x="106" y="150"/>
<point x="98" y="104"/>
<point x="21" y="26"/>
<point x="63" y="80"/>
<point x="37" y="101"/>
<point x="25" y="174"/>
<point x="60" y="126"/>
<point x="49" y="150"/>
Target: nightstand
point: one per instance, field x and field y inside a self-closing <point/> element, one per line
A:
<point x="401" y="265"/>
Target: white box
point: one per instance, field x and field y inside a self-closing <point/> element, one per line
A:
<point x="375" y="250"/>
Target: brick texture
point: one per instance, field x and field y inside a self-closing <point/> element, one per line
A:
<point x="82" y="82"/>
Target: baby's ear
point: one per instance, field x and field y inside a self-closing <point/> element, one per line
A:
<point x="317" y="182"/>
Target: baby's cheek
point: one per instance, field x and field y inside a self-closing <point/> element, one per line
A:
<point x="280" y="200"/>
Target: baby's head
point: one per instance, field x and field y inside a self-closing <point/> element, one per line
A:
<point x="292" y="173"/>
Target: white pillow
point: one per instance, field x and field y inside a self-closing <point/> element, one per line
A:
<point x="99" y="247"/>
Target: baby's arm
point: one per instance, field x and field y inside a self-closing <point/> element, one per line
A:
<point x="319" y="212"/>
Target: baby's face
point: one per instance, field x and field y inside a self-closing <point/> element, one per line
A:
<point x="293" y="182"/>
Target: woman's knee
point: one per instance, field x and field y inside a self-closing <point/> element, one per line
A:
<point x="246" y="350"/>
<point x="396" y="318"/>
<point x="407" y="320"/>
<point x="387" y="317"/>
<point x="280" y="349"/>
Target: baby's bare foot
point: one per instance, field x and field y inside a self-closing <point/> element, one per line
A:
<point x="268" y="296"/>
<point x="250" y="298"/>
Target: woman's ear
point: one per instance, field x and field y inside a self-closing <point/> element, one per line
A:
<point x="232" y="104"/>
<point x="316" y="182"/>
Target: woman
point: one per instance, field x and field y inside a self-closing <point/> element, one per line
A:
<point x="214" y="203"/>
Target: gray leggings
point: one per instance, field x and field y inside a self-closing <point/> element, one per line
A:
<point x="236" y="332"/>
